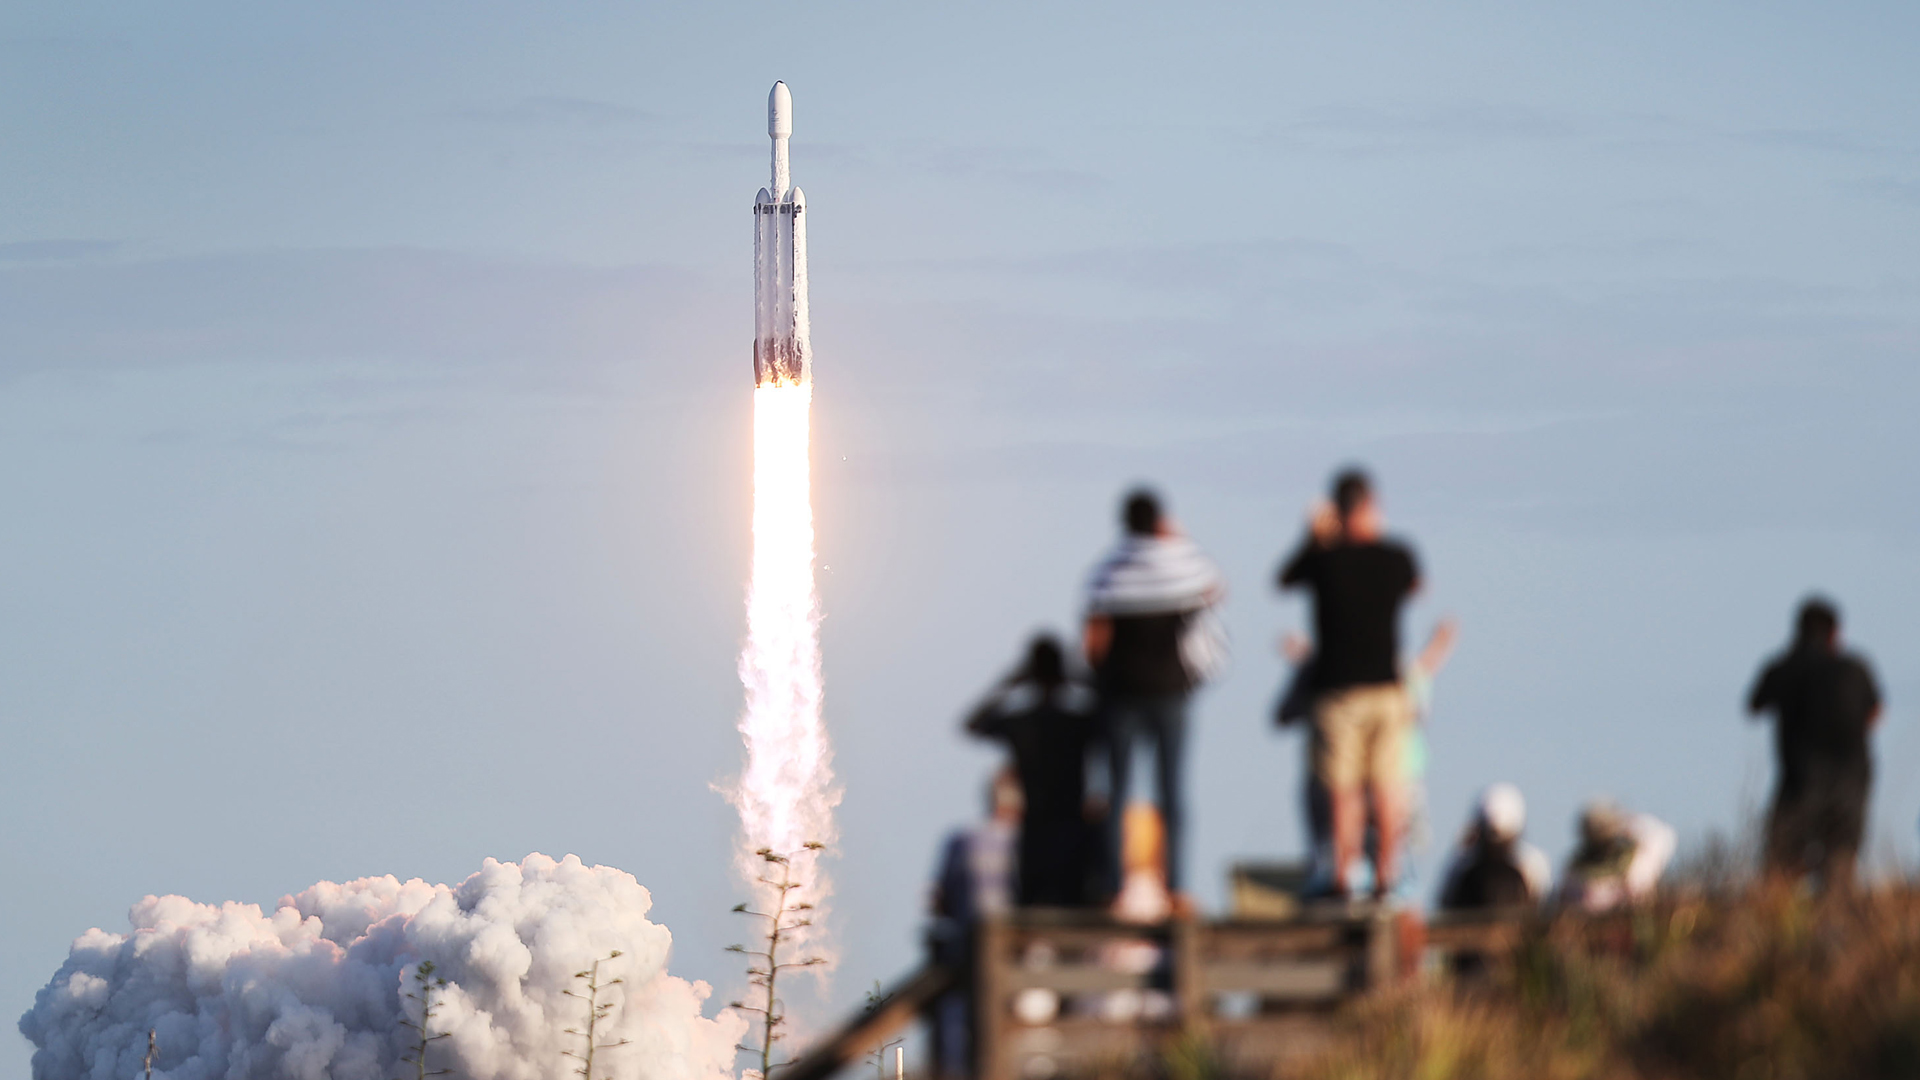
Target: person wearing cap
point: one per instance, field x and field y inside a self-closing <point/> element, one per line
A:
<point x="1620" y="858"/>
<point x="1494" y="867"/>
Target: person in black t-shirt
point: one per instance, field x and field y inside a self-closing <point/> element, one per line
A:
<point x="1824" y="703"/>
<point x="1361" y="718"/>
<point x="1047" y="722"/>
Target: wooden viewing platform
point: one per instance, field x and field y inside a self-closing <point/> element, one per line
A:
<point x="1065" y="993"/>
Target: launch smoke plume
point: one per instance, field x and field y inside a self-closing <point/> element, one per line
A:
<point x="312" y="990"/>
<point x="786" y="794"/>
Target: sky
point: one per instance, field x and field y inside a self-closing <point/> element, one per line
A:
<point x="374" y="392"/>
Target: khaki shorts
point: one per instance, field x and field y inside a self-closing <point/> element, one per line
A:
<point x="1360" y="736"/>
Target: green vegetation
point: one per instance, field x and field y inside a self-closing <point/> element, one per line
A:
<point x="1771" y="986"/>
<point x="424" y="986"/>
<point x="764" y="964"/>
<point x="597" y="1011"/>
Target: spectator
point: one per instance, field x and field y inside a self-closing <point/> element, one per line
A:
<point x="1620" y="858"/>
<point x="1296" y="706"/>
<point x="973" y="882"/>
<point x="1047" y="721"/>
<point x="1824" y="703"/>
<point x="1494" y="867"/>
<point x="1361" y="714"/>
<point x="1148" y="620"/>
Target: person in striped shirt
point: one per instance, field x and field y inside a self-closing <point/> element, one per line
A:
<point x="1148" y="604"/>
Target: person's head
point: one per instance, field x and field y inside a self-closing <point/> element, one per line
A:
<point x="1140" y="513"/>
<point x="1005" y="800"/>
<point x="1353" y="501"/>
<point x="1501" y="814"/>
<point x="1046" y="661"/>
<point x="1818" y="623"/>
<point x="1602" y="823"/>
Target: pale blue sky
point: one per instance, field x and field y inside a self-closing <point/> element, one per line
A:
<point x="373" y="385"/>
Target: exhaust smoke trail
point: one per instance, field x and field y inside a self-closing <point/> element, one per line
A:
<point x="786" y="795"/>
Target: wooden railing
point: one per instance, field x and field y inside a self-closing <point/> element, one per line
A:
<point x="1058" y="993"/>
<point x="1068" y="993"/>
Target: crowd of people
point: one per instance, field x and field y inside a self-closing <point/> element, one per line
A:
<point x="1057" y="834"/>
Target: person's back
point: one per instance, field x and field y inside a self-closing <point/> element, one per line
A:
<point x="1047" y="721"/>
<point x="1494" y="867"/>
<point x="1489" y="877"/>
<point x="1049" y="730"/>
<point x="1142" y="658"/>
<point x="1361" y="717"/>
<point x="1358" y="589"/>
<point x="1619" y="859"/>
<point x="1145" y="602"/>
<point x="1824" y="703"/>
<point x="974" y="881"/>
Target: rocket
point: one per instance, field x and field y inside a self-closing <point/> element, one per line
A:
<point x="782" y="355"/>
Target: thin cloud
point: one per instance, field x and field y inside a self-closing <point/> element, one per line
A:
<point x="40" y="251"/>
<point x="1353" y="129"/>
<point x="1905" y="192"/>
<point x="554" y="111"/>
<point x="1827" y="140"/>
<point x="385" y="304"/>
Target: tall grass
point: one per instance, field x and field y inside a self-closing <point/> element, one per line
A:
<point x="1771" y="985"/>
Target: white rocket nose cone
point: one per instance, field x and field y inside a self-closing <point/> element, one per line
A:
<point x="780" y="112"/>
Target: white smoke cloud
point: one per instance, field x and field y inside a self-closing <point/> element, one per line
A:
<point x="312" y="990"/>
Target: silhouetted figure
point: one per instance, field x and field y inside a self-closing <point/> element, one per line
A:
<point x="1824" y="702"/>
<point x="1362" y="717"/>
<point x="1620" y="858"/>
<point x="1047" y="721"/>
<point x="1147" y="638"/>
<point x="974" y="881"/>
<point x="1494" y="867"/>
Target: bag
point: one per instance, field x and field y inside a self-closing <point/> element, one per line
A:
<point x="1204" y="646"/>
<point x="1296" y="698"/>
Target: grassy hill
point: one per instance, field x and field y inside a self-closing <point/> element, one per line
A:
<point x="1767" y="985"/>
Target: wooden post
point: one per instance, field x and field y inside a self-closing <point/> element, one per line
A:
<point x="990" y="960"/>
<point x="1188" y="940"/>
<point x="1383" y="952"/>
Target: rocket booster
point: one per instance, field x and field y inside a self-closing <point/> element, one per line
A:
<point x="782" y="355"/>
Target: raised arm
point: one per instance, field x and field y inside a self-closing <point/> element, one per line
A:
<point x="1323" y="530"/>
<point x="1294" y="571"/>
<point x="987" y="718"/>
<point x="1433" y="656"/>
<point x="1766" y="691"/>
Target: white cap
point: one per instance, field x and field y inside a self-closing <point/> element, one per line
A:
<point x="779" y="112"/>
<point x="1503" y="811"/>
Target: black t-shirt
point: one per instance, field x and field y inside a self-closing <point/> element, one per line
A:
<point x="1357" y="593"/>
<point x="1049" y="735"/>
<point x="1143" y="656"/>
<point x="1823" y="701"/>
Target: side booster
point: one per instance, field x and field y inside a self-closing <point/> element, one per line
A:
<point x="782" y="355"/>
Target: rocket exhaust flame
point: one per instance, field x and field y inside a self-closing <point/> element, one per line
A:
<point x="786" y="795"/>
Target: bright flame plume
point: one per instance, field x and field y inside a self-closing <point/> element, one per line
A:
<point x="786" y="795"/>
